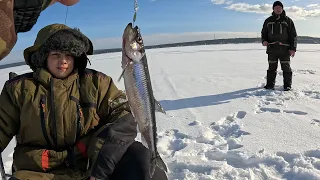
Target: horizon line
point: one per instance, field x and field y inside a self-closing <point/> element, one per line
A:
<point x="115" y="42"/>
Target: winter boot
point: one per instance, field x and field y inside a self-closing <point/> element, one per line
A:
<point x="287" y="81"/>
<point x="271" y="78"/>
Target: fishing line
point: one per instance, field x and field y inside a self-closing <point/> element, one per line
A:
<point x="135" y="11"/>
<point x="65" y="20"/>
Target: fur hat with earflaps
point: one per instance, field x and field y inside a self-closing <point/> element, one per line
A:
<point x="61" y="38"/>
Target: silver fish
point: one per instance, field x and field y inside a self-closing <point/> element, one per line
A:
<point x="139" y="91"/>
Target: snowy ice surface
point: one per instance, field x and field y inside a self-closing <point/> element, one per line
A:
<point x="220" y="122"/>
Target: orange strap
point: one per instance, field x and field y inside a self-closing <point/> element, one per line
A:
<point x="45" y="160"/>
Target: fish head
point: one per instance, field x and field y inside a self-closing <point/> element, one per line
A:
<point x="132" y="43"/>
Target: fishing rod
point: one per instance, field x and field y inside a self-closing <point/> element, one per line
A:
<point x="65" y="20"/>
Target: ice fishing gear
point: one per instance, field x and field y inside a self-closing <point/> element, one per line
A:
<point x="135" y="11"/>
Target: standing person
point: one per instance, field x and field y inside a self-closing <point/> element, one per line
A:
<point x="17" y="16"/>
<point x="280" y="36"/>
<point x="70" y="122"/>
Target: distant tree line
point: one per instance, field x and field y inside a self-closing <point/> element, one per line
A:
<point x="301" y="40"/>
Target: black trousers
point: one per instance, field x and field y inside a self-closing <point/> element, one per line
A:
<point x="273" y="60"/>
<point x="134" y="165"/>
<point x="284" y="61"/>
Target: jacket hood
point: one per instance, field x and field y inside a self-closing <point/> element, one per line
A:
<point x="61" y="38"/>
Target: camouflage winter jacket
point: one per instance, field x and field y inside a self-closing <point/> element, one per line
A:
<point x="17" y="16"/>
<point x="61" y="124"/>
<point x="279" y="29"/>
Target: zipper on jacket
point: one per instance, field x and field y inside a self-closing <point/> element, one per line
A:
<point x="53" y="115"/>
<point x="78" y="117"/>
<point x="43" y="119"/>
<point x="71" y="155"/>
<point x="79" y="112"/>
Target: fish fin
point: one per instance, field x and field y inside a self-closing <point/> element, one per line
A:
<point x="161" y="164"/>
<point x="157" y="161"/>
<point x="124" y="69"/>
<point x="158" y="107"/>
<point x="131" y="110"/>
<point x="143" y="141"/>
<point x="152" y="168"/>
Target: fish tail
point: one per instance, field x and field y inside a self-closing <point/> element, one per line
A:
<point x="157" y="161"/>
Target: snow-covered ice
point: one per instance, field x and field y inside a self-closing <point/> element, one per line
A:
<point x="220" y="122"/>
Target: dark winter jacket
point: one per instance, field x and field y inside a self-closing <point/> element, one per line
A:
<point x="62" y="124"/>
<point x="279" y="29"/>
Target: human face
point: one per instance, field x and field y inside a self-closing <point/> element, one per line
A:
<point x="60" y="65"/>
<point x="277" y="10"/>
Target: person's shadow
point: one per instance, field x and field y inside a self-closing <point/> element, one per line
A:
<point x="209" y="100"/>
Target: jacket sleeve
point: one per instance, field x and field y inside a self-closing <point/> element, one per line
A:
<point x="9" y="117"/>
<point x="119" y="131"/>
<point x="8" y="36"/>
<point x="292" y="35"/>
<point x="264" y="32"/>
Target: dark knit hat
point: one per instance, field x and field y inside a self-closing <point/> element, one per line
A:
<point x="277" y="3"/>
<point x="61" y="39"/>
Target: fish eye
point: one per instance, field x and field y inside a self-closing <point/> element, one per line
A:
<point x="139" y="39"/>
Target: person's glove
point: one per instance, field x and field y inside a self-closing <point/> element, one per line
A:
<point x="265" y="43"/>
<point x="292" y="53"/>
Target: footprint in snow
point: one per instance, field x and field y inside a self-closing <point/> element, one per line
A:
<point x="230" y="129"/>
<point x="302" y="71"/>
<point x="172" y="141"/>
<point x="274" y="98"/>
<point x="241" y="114"/>
<point x="299" y="71"/>
<point x="315" y="122"/>
<point x="234" y="116"/>
<point x="312" y="94"/>
<point x="271" y="99"/>
<point x="195" y="123"/>
<point x="295" y="112"/>
<point x="274" y="110"/>
<point x="315" y="154"/>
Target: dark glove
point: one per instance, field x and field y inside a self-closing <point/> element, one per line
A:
<point x="117" y="137"/>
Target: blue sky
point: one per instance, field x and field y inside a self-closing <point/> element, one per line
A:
<point x="101" y="19"/>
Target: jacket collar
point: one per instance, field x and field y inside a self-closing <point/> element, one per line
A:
<point x="45" y="78"/>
